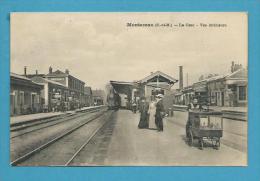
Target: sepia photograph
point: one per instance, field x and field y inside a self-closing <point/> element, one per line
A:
<point x="129" y="89"/>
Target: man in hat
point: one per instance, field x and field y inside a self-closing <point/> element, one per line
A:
<point x="159" y="114"/>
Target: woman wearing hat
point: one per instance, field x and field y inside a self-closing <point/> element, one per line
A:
<point x="159" y="112"/>
<point x="144" y="106"/>
<point x="151" y="113"/>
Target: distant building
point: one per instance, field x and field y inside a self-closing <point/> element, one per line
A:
<point x="75" y="86"/>
<point x="99" y="97"/>
<point x="54" y="94"/>
<point x="221" y="90"/>
<point x="88" y="96"/>
<point x="201" y="91"/>
<point x="178" y="97"/>
<point x="25" y="95"/>
<point x="74" y="96"/>
<point x="229" y="90"/>
<point x="188" y="94"/>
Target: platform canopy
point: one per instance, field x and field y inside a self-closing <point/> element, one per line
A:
<point x="122" y="87"/>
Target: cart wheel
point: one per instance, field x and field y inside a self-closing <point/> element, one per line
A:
<point x="190" y="138"/>
<point x="201" y="144"/>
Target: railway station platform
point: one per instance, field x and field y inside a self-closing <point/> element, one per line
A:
<point x="235" y="113"/>
<point x="33" y="117"/>
<point x="131" y="146"/>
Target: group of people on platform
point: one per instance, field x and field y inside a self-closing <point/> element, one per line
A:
<point x="152" y="113"/>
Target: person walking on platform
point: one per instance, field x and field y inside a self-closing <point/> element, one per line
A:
<point x="144" y="106"/>
<point x="159" y="114"/>
<point x="151" y="113"/>
<point x="134" y="107"/>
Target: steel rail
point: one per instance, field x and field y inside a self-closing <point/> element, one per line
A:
<point x="45" y="145"/>
<point x="85" y="143"/>
<point x="59" y="122"/>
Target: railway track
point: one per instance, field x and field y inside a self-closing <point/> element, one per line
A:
<point x="61" y="140"/>
<point x="84" y="144"/>
<point x="94" y="151"/>
<point x="38" y="125"/>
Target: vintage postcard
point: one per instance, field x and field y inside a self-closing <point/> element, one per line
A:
<point x="129" y="89"/>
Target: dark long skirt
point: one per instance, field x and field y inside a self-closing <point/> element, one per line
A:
<point x="143" y="123"/>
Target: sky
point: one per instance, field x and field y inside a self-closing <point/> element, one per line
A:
<point x="99" y="47"/>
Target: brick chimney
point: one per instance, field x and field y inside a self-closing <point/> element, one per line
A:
<point x="67" y="71"/>
<point x="180" y="77"/>
<point x="36" y="72"/>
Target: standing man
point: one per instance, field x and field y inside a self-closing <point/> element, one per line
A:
<point x="159" y="114"/>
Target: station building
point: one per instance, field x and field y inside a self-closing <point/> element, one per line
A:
<point x="74" y="85"/>
<point x="88" y="96"/>
<point x="200" y="88"/>
<point x="156" y="83"/>
<point x="99" y="97"/>
<point x="229" y="90"/>
<point x="25" y="95"/>
<point x="188" y="93"/>
<point x="153" y="84"/>
<point x="54" y="94"/>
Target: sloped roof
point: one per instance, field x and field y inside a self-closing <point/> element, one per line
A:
<point x="19" y="76"/>
<point x="149" y="77"/>
<point x="239" y="74"/>
<point x="34" y="75"/>
<point x="123" y="87"/>
<point x="43" y="80"/>
<point x="121" y="82"/>
<point x="20" y="79"/>
<point x="54" y="82"/>
<point x="218" y="77"/>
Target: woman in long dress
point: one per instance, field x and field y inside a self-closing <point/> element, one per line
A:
<point x="143" y="123"/>
<point x="151" y="112"/>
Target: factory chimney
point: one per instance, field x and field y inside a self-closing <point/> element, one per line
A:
<point x="25" y="70"/>
<point x="180" y="77"/>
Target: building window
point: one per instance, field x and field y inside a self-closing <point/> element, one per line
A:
<point x="21" y="98"/>
<point x="213" y="97"/>
<point x="242" y="93"/>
